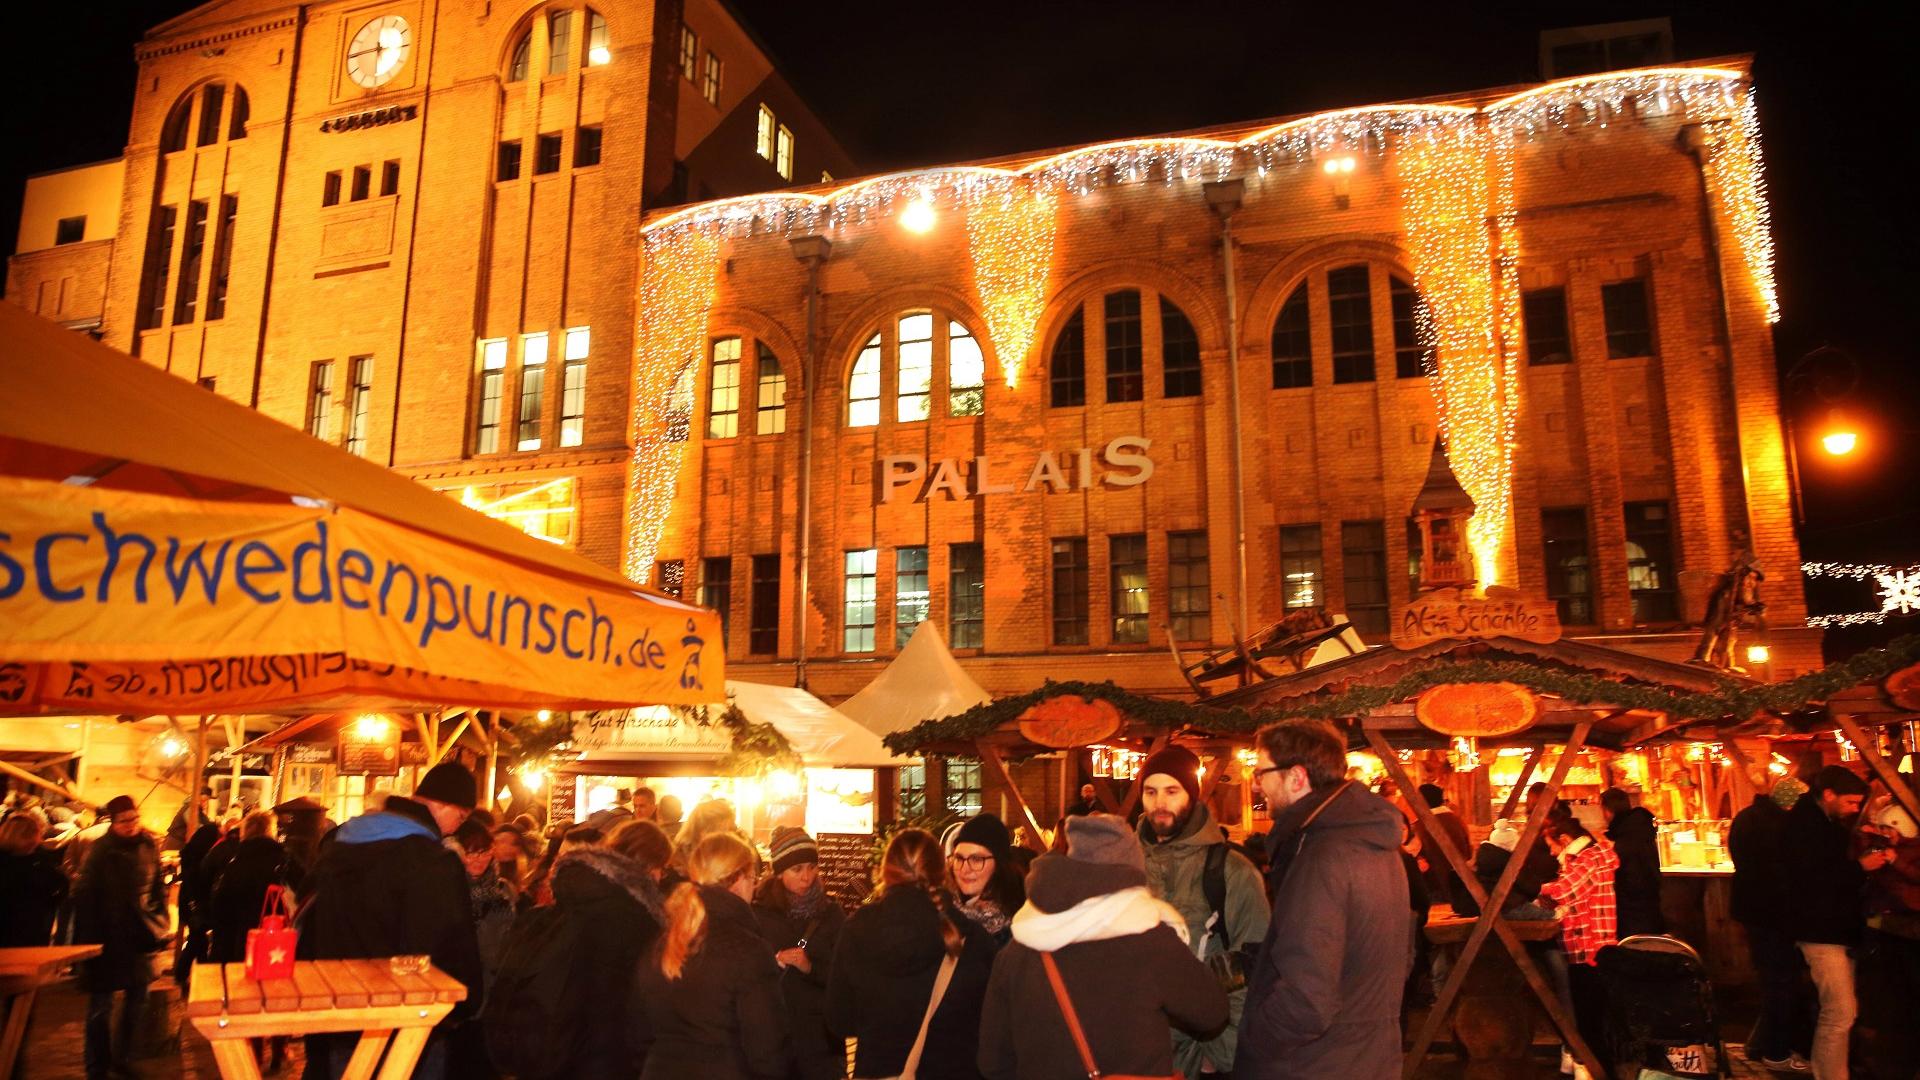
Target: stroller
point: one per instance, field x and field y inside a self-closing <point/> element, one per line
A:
<point x="1660" y="1009"/>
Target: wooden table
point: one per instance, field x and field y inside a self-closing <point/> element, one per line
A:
<point x="1495" y="1020"/>
<point x="393" y="1012"/>
<point x="22" y="973"/>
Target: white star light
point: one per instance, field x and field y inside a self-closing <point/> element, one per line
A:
<point x="1899" y="592"/>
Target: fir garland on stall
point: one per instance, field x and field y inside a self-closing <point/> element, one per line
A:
<point x="757" y="749"/>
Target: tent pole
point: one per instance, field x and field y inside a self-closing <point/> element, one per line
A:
<point x="493" y="760"/>
<point x="195" y="781"/>
<point x="86" y="748"/>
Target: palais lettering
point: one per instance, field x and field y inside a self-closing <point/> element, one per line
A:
<point x="1123" y="462"/>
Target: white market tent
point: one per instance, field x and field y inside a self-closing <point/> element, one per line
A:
<point x="924" y="682"/>
<point x="822" y="735"/>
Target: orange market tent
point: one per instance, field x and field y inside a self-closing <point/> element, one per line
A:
<point x="165" y="550"/>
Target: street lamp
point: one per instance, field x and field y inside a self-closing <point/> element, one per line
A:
<point x="1840" y="438"/>
<point x="1831" y="374"/>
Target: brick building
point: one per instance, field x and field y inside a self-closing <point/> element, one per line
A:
<point x="410" y="228"/>
<point x="1059" y="506"/>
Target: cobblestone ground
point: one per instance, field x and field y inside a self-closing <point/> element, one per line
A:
<point x="169" y="1046"/>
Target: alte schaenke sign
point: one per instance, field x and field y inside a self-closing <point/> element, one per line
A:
<point x="1123" y="462"/>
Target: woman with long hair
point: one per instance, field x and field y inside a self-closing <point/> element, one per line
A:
<point x="714" y="817"/>
<point x="987" y="886"/>
<point x="706" y="1000"/>
<point x="803" y="924"/>
<point x="911" y="972"/>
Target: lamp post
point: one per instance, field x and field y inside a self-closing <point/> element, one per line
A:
<point x="1830" y="374"/>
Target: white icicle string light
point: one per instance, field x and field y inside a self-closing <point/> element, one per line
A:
<point x="1898" y="588"/>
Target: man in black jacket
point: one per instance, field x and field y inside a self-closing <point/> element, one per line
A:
<point x="1759" y="903"/>
<point x="120" y="904"/>
<point x="1636" y="885"/>
<point x="1825" y="916"/>
<point x="384" y="886"/>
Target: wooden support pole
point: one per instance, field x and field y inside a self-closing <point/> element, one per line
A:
<point x="1870" y="753"/>
<point x="1526" y="774"/>
<point x="1747" y="780"/>
<point x="990" y="754"/>
<point x="19" y="773"/>
<point x="195" y="780"/>
<point x="1490" y="919"/>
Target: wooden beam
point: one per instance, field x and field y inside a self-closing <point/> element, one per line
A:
<point x="1526" y="774"/>
<point x="1158" y="744"/>
<point x="19" y="773"/>
<point x="1902" y="791"/>
<point x="1748" y="780"/>
<point x="1217" y="767"/>
<point x="990" y="754"/>
<point x="1490" y="919"/>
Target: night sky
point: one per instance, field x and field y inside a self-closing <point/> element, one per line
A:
<point x="910" y="84"/>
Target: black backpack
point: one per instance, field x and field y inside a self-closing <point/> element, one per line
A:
<point x="537" y="1003"/>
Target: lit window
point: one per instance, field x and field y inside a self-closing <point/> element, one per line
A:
<point x="689" y="52"/>
<point x="359" y="401"/>
<point x="573" y="387"/>
<point x="533" y="376"/>
<point x="770" y="413"/>
<point x="915" y="367"/>
<point x="543" y="509"/>
<point x="598" y="51"/>
<point x="559" y="41"/>
<point x="1127" y="568"/>
<point x="320" y="399"/>
<point x="783" y="154"/>
<point x="1189" y="605"/>
<point x="723" y="397"/>
<point x="911" y="594"/>
<point x="710" y="85"/>
<point x="966" y="596"/>
<point x="966" y="373"/>
<point x="863" y="387"/>
<point x="861" y="577"/>
<point x="1300" y="566"/>
<point x="763" y="136"/>
<point x="493" y="376"/>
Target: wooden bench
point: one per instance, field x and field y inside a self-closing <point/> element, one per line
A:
<point x="22" y="973"/>
<point x="393" y="1012"/>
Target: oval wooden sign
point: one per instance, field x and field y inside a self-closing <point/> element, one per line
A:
<point x="1069" y="721"/>
<point x="1903" y="687"/>
<point x="1477" y="710"/>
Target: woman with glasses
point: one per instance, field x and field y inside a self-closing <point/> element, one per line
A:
<point x="707" y="1000"/>
<point x="987" y="887"/>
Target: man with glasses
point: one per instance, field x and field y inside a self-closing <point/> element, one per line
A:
<point x="1324" y="995"/>
<point x="121" y="906"/>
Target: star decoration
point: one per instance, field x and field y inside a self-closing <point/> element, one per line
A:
<point x="1899" y="592"/>
<point x="276" y="957"/>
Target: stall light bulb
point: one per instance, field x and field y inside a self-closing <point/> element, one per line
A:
<point x="544" y="715"/>
<point x="1758" y="654"/>
<point x="535" y="779"/>
<point x="371" y="727"/>
<point x="173" y="747"/>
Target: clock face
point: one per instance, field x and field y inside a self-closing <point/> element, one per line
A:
<point x="379" y="50"/>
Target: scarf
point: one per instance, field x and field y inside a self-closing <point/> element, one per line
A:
<point x="808" y="904"/>
<point x="987" y="914"/>
<point x="1097" y="918"/>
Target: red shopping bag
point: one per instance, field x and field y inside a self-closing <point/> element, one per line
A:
<point x="270" y="945"/>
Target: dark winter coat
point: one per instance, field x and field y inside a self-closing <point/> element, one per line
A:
<point x="613" y="896"/>
<point x="817" y="1052"/>
<point x="883" y="974"/>
<point x="1129" y="991"/>
<point x="1760" y="889"/>
<point x="385" y="887"/>
<point x="239" y="893"/>
<point x="1825" y="885"/>
<point x="120" y="904"/>
<point x="1636" y="885"/>
<point x="211" y="865"/>
<point x="723" y="1018"/>
<point x="1491" y="860"/>
<point x="1443" y="885"/>
<point x="1324" y="996"/>
<point x="193" y="891"/>
<point x="31" y="889"/>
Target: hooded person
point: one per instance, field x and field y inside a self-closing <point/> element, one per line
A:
<point x="802" y="923"/>
<point x="1089" y="913"/>
<point x="1635" y="837"/>
<point x="384" y="886"/>
<point x="1216" y="890"/>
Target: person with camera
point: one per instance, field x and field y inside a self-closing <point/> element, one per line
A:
<point x="1215" y="889"/>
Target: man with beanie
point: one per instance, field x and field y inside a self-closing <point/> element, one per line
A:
<point x="120" y="904"/>
<point x="1824" y="914"/>
<point x="1090" y="912"/>
<point x="384" y="886"/>
<point x="1216" y="890"/>
<point x="1325" y="994"/>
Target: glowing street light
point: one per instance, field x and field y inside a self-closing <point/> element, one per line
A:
<point x="919" y="216"/>
<point x="1840" y="439"/>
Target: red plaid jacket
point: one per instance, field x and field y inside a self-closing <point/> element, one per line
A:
<point x="1584" y="895"/>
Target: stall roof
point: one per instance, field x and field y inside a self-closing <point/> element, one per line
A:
<point x="923" y="683"/>
<point x="821" y="734"/>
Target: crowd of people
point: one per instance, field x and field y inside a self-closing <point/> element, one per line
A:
<point x="639" y="945"/>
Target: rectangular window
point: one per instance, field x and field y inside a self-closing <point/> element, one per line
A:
<point x="1124" y="381"/>
<point x="1363" y="549"/>
<point x="966" y="596"/>
<point x="1650" y="568"/>
<point x="546" y="156"/>
<point x="770" y="399"/>
<point x="493" y="376"/>
<point x="70" y="230"/>
<point x="723" y="397"/>
<point x="783" y="154"/>
<point x="559" y="41"/>
<point x="508" y="166"/>
<point x="533" y="381"/>
<point x="910" y="791"/>
<point x="210" y="383"/>
<point x="710" y="84"/>
<point x="763" y="631"/>
<point x="1545" y="313"/>
<point x="763" y="135"/>
<point x="359" y="403"/>
<point x="672" y="576"/>
<point x="1070" y="591"/>
<point x="861" y="578"/>
<point x="1350" y="313"/>
<point x="964" y="788"/>
<point x="1189" y="591"/>
<point x="153" y="306"/>
<point x="573" y="387"/>
<point x="390" y="178"/>
<point x="689" y="53"/>
<point x="1127" y="571"/>
<point x="586" y="146"/>
<point x="1563" y="536"/>
<point x="916" y="366"/>
<point x="330" y="189"/>
<point x="320" y="398"/>
<point x="1629" y="330"/>
<point x="1301" y="567"/>
<point x="1410" y="353"/>
<point x="716" y="590"/>
<point x="222" y="257"/>
<point x="1293" y="344"/>
<point x="186" y="303"/>
<point x="911" y="592"/>
<point x="362" y="182"/>
<point x="1416" y="555"/>
<point x="213" y="98"/>
<point x="598" y="51"/>
<point x="966" y="373"/>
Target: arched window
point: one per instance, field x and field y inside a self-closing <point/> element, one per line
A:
<point x="214" y="114"/>
<point x="522" y="56"/>
<point x="599" y="47"/>
<point x="727" y="380"/>
<point x="1139" y="328"/>
<point x="1343" y="296"/>
<point x="770" y="407"/>
<point x="922" y="343"/>
<point x="1068" y="370"/>
<point x="1179" y="352"/>
<point x="723" y="395"/>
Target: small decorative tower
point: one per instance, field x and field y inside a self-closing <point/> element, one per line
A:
<point x="1442" y="509"/>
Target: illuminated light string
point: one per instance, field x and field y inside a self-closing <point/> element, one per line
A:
<point x="1010" y="238"/>
<point x="1898" y="588"/>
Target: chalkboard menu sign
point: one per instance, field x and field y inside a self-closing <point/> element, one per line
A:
<point x="844" y="868"/>
<point x="562" y="795"/>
